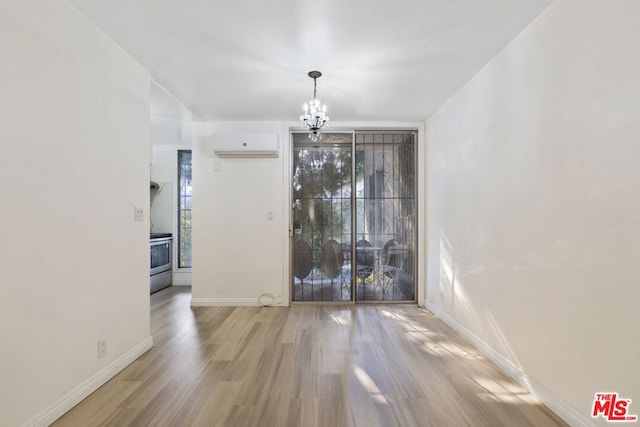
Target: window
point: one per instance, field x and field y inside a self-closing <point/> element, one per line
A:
<point x="184" y="208"/>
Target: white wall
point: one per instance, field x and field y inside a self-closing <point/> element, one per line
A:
<point x="237" y="252"/>
<point x="534" y="202"/>
<point x="74" y="136"/>
<point x="170" y="130"/>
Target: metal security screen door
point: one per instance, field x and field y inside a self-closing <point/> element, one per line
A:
<point x="353" y="217"/>
<point x="322" y="218"/>
<point x="385" y="216"/>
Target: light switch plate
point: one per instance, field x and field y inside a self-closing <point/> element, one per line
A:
<point x="102" y="348"/>
<point x="138" y="213"/>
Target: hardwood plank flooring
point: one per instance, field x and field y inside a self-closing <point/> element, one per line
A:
<point x="330" y="366"/>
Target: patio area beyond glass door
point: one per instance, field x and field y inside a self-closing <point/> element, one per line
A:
<point x="322" y="218"/>
<point x="385" y="216"/>
<point x="354" y="217"/>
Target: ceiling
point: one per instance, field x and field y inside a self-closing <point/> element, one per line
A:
<point x="381" y="60"/>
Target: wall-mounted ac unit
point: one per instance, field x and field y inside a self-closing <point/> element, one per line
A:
<point x="245" y="144"/>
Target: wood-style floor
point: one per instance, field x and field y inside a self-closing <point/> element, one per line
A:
<point x="306" y="366"/>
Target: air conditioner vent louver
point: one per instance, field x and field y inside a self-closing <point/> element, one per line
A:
<point x="245" y="144"/>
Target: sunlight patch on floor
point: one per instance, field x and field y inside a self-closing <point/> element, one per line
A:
<point x="369" y="385"/>
<point x="434" y="343"/>
<point x="504" y="391"/>
<point x="339" y="320"/>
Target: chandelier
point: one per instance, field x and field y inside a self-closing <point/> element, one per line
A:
<point x="314" y="117"/>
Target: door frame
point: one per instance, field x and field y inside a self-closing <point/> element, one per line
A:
<point x="421" y="195"/>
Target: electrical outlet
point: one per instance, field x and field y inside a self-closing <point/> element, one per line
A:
<point x="138" y="213"/>
<point x="270" y="216"/>
<point x="102" y="348"/>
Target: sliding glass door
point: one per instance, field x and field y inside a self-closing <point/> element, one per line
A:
<point x="353" y="217"/>
<point x="322" y="212"/>
<point x="385" y="216"/>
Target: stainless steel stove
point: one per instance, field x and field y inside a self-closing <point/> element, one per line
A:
<point x="160" y="248"/>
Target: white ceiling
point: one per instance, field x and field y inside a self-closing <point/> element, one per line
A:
<point x="248" y="59"/>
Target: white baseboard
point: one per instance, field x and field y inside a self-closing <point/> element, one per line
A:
<point x="233" y="302"/>
<point x="562" y="409"/>
<point x="75" y="396"/>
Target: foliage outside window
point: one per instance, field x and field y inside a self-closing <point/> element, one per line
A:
<point x="184" y="208"/>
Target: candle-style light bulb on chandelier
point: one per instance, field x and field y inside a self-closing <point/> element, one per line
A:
<point x="314" y="117"/>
